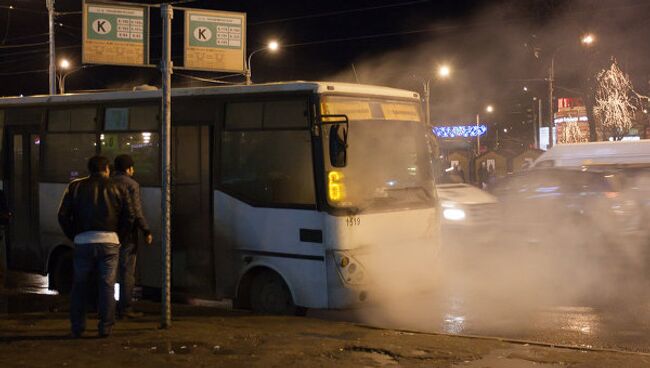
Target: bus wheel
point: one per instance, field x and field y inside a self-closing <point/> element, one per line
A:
<point x="269" y="294"/>
<point x="61" y="274"/>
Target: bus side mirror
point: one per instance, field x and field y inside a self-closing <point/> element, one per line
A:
<point x="338" y="145"/>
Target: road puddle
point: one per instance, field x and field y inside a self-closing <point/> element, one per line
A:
<point x="372" y="356"/>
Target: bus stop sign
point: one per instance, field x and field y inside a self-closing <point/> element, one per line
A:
<point x="215" y="40"/>
<point x="115" y="34"/>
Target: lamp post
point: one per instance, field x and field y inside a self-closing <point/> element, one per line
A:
<point x="587" y="40"/>
<point x="64" y="64"/>
<point x="489" y="109"/>
<point x="272" y="46"/>
<point x="443" y="72"/>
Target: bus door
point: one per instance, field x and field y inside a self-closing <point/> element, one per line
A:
<point x="192" y="254"/>
<point x="21" y="187"/>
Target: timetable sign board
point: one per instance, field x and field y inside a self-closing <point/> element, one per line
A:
<point x="115" y="34"/>
<point x="215" y="40"/>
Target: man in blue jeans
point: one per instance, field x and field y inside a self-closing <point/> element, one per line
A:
<point x="124" y="168"/>
<point x="94" y="214"/>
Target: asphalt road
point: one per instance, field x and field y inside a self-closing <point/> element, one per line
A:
<point x="465" y="307"/>
<point x="510" y="299"/>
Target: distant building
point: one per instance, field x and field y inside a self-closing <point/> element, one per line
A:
<point x="571" y="121"/>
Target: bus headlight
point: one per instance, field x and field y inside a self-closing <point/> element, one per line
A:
<point x="349" y="269"/>
<point x="345" y="261"/>
<point x="453" y="214"/>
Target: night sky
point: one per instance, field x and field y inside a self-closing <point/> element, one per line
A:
<point x="493" y="47"/>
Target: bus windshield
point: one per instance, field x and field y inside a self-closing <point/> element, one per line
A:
<point x="388" y="159"/>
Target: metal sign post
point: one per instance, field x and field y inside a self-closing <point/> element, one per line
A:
<point x="117" y="33"/>
<point x="167" y="13"/>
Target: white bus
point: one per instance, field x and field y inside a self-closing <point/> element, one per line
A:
<point x="283" y="194"/>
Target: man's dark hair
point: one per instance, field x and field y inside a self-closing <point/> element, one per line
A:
<point x="123" y="162"/>
<point x="97" y="164"/>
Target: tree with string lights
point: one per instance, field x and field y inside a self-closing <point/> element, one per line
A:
<point x="616" y="103"/>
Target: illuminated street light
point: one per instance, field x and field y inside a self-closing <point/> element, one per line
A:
<point x="272" y="46"/>
<point x="588" y="39"/>
<point x="64" y="64"/>
<point x="444" y="71"/>
<point x="489" y="109"/>
<point x="65" y="69"/>
<point x="525" y="89"/>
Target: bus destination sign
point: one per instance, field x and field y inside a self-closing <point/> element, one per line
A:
<point x="215" y="40"/>
<point x="115" y="34"/>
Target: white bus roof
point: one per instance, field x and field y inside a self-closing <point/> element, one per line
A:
<point x="315" y="87"/>
<point x="597" y="153"/>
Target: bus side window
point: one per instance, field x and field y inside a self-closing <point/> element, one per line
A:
<point x="71" y="140"/>
<point x="268" y="167"/>
<point x="266" y="153"/>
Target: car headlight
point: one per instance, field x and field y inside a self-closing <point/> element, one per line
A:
<point x="453" y="214"/>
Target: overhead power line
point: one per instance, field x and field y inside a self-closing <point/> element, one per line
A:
<point x="37" y="51"/>
<point x="23" y="45"/>
<point x="24" y="72"/>
<point x="26" y="37"/>
<point x="338" y="12"/>
<point x="11" y="7"/>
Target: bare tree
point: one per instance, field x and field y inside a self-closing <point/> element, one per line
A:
<point x="616" y="102"/>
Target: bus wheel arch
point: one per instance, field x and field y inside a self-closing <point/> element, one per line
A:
<point x="60" y="269"/>
<point x="264" y="290"/>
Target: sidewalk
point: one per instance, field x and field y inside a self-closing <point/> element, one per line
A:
<point x="35" y="336"/>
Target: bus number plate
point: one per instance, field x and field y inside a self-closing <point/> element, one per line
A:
<point x="353" y="221"/>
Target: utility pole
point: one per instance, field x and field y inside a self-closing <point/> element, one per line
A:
<point x="52" y="68"/>
<point x="166" y="66"/>
<point x="478" y="136"/>
<point x="551" y="122"/>
<point x="427" y="101"/>
<point x="539" y="121"/>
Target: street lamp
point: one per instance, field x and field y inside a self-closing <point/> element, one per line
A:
<point x="488" y="109"/>
<point x="64" y="64"/>
<point x="588" y="39"/>
<point x="272" y="46"/>
<point x="443" y="72"/>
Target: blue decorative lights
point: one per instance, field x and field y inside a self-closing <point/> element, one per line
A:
<point x="460" y="131"/>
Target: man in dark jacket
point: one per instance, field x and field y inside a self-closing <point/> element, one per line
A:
<point x="124" y="167"/>
<point x="94" y="213"/>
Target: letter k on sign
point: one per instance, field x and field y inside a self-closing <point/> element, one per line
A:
<point x="102" y="26"/>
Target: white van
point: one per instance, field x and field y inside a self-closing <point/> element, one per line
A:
<point x="575" y="155"/>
